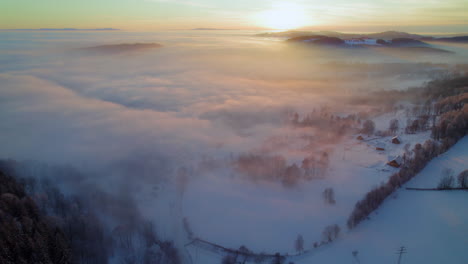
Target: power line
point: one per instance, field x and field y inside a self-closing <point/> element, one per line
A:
<point x="402" y="250"/>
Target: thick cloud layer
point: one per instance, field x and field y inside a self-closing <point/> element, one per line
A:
<point x="197" y="102"/>
<point x="193" y="95"/>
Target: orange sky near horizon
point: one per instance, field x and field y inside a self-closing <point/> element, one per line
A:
<point x="447" y="16"/>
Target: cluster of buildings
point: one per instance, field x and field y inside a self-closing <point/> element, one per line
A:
<point x="394" y="161"/>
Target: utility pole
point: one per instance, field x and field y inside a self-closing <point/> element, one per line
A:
<point x="355" y="255"/>
<point x="400" y="252"/>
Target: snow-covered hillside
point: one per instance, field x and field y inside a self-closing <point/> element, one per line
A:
<point x="225" y="209"/>
<point x="432" y="225"/>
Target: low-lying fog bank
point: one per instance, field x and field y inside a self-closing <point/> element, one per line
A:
<point x="182" y="134"/>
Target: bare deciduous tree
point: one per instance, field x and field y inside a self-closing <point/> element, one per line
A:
<point x="394" y="125"/>
<point x="299" y="243"/>
<point x="331" y="232"/>
<point x="463" y="179"/>
<point x="447" y="180"/>
<point x="329" y="196"/>
<point x="368" y="127"/>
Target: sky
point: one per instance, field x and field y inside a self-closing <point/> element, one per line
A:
<point x="359" y="15"/>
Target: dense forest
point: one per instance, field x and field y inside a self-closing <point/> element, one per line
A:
<point x="27" y="235"/>
<point x="41" y="224"/>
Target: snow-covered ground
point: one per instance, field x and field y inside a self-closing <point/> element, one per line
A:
<point x="267" y="217"/>
<point x="432" y="225"/>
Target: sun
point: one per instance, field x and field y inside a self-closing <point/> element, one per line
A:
<point x="282" y="16"/>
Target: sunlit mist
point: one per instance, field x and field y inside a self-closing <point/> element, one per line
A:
<point x="233" y="131"/>
<point x="282" y="16"/>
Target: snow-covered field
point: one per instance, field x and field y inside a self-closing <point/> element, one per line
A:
<point x="267" y="217"/>
<point x="432" y="225"/>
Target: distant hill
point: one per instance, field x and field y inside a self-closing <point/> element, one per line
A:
<point x="319" y="40"/>
<point x="211" y="29"/>
<point x="407" y="42"/>
<point x="415" y="51"/>
<point x="459" y="39"/>
<point x="387" y="35"/>
<point x="63" y="29"/>
<point x="327" y="40"/>
<point x="306" y="38"/>
<point x="402" y="46"/>
<point x="120" y="48"/>
<point x="397" y="37"/>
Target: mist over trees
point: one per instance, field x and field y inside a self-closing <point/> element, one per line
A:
<point x="329" y="196"/>
<point x="394" y="126"/>
<point x="451" y="125"/>
<point x="325" y="128"/>
<point x="324" y="119"/>
<point x="299" y="244"/>
<point x="82" y="227"/>
<point x="199" y="102"/>
<point x="84" y="236"/>
<point x="331" y="233"/>
<point x="368" y="127"/>
<point x="27" y="235"/>
<point x="275" y="168"/>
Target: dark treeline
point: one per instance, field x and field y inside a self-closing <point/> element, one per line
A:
<point x="451" y="126"/>
<point x="324" y="119"/>
<point x="451" y="85"/>
<point x="455" y="82"/>
<point x="91" y="227"/>
<point x="26" y="235"/>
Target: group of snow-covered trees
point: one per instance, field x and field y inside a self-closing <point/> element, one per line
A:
<point x="323" y="119"/>
<point x="275" y="168"/>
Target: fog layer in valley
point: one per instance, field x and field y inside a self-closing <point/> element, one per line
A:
<point x="166" y="128"/>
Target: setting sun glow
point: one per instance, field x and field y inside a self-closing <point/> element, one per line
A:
<point x="282" y="16"/>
